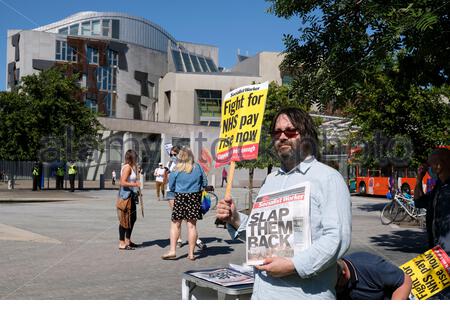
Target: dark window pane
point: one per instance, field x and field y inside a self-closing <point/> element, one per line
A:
<point x="211" y="65"/>
<point x="115" y="29"/>
<point x="196" y="64"/>
<point x="203" y="64"/>
<point x="187" y="62"/>
<point x="177" y="60"/>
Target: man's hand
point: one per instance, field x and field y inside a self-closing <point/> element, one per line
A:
<point x="226" y="211"/>
<point x="277" y="267"/>
<point x="422" y="171"/>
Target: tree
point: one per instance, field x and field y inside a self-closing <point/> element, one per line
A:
<point x="278" y="97"/>
<point x="45" y="116"/>
<point x="386" y="64"/>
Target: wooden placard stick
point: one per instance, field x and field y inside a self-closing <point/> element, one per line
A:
<point x="230" y="179"/>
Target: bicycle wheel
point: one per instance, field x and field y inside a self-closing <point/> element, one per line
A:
<point x="387" y="214"/>
<point x="214" y="200"/>
<point x="391" y="212"/>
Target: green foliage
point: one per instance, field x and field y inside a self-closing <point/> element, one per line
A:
<point x="386" y="64"/>
<point x="45" y="113"/>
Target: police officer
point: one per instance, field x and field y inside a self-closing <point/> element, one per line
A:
<point x="72" y="174"/>
<point x="36" y="176"/>
<point x="59" y="177"/>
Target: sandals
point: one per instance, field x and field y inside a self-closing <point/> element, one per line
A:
<point x="134" y="245"/>
<point x="126" y="248"/>
<point x="168" y="256"/>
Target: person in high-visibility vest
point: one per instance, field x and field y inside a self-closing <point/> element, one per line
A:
<point x="72" y="174"/>
<point x="59" y="177"/>
<point x="36" y="176"/>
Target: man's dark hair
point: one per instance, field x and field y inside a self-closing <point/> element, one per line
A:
<point x="303" y="122"/>
<point x="443" y="156"/>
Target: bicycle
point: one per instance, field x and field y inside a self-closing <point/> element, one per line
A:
<point x="399" y="208"/>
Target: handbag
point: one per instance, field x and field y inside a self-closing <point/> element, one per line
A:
<point x="205" y="202"/>
<point x="123" y="204"/>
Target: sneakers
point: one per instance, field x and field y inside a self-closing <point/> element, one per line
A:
<point x="200" y="244"/>
<point x="179" y="243"/>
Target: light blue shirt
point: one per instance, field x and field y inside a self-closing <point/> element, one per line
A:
<point x="183" y="182"/>
<point x="331" y="223"/>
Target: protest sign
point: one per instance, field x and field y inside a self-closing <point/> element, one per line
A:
<point x="429" y="272"/>
<point x="279" y="224"/>
<point x="240" y="126"/>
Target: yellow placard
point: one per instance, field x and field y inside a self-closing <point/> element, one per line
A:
<point x="429" y="272"/>
<point x="240" y="126"/>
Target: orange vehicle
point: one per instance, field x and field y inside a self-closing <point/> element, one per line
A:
<point x="378" y="181"/>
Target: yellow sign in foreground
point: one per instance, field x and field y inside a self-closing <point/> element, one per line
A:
<point x="430" y="273"/>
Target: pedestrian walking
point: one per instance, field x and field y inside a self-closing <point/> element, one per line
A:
<point x="311" y="273"/>
<point x="113" y="174"/>
<point x="159" y="174"/>
<point x="187" y="181"/>
<point x="224" y="176"/>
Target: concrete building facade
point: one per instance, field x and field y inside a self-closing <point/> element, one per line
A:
<point x="149" y="89"/>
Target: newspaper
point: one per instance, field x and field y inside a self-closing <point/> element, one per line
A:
<point x="224" y="276"/>
<point x="279" y="224"/>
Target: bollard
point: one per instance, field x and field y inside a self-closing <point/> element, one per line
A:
<point x="10" y="185"/>
<point x="102" y="181"/>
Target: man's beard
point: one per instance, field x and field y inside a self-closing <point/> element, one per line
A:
<point x="297" y="152"/>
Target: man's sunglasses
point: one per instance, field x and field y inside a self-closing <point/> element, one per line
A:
<point x="289" y="133"/>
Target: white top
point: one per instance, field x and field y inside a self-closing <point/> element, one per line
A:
<point x="159" y="174"/>
<point x="132" y="176"/>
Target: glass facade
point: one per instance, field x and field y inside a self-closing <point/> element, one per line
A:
<point x="92" y="55"/>
<point x="73" y="29"/>
<point x="64" y="52"/>
<point x="209" y="102"/>
<point x="189" y="62"/>
<point x="104" y="27"/>
<point x="91" y="104"/>
<point x="96" y="30"/>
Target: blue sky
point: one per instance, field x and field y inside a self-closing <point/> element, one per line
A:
<point x="228" y="24"/>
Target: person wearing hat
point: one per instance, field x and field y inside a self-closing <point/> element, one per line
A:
<point x="159" y="174"/>
<point x="365" y="276"/>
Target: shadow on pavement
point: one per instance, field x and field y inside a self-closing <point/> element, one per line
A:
<point x="410" y="241"/>
<point x="372" y="207"/>
<point x="215" y="251"/>
<point x="162" y="243"/>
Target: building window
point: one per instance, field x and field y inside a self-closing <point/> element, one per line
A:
<point x="96" y="28"/>
<point x="63" y="30"/>
<point x="115" y="29"/>
<point x="182" y="142"/>
<point x="177" y="61"/>
<point x="208" y="102"/>
<point x="106" y="27"/>
<point x="104" y="79"/>
<point x="73" y="29"/>
<point x="92" y="55"/>
<point x="65" y="52"/>
<point x="113" y="58"/>
<point x="187" y="62"/>
<point x="91" y="104"/>
<point x="195" y="63"/>
<point x="211" y="65"/>
<point x="203" y="64"/>
<point x="86" y="28"/>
